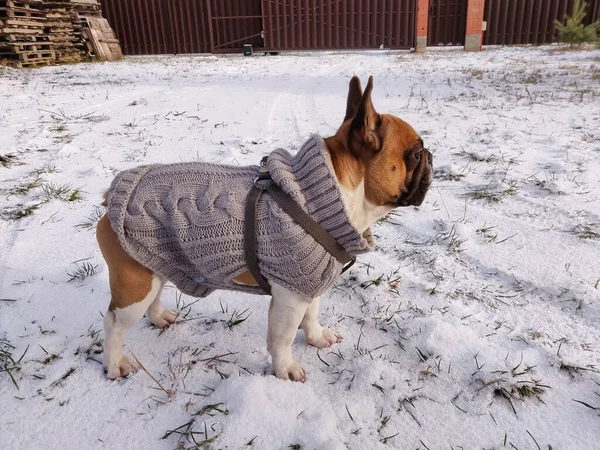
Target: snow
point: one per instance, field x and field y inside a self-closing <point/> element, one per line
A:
<point x="491" y="285"/>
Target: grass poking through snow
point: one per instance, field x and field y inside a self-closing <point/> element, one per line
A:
<point x="19" y="211"/>
<point x="10" y="364"/>
<point x="9" y="160"/>
<point x="187" y="435"/>
<point x="91" y="221"/>
<point x="82" y="270"/>
<point x="63" y="192"/>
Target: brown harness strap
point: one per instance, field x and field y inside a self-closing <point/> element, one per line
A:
<point x="295" y="211"/>
<point x="250" y="243"/>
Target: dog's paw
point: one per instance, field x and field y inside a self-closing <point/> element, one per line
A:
<point x="163" y="318"/>
<point x="324" y="339"/>
<point x="124" y="368"/>
<point x="291" y="371"/>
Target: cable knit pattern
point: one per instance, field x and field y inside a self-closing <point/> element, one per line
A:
<point x="186" y="222"/>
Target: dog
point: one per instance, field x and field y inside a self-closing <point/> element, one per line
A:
<point x="373" y="164"/>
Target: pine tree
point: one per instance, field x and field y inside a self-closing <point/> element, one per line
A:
<point x="573" y="31"/>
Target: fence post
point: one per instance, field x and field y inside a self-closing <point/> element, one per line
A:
<point x="475" y="10"/>
<point x="171" y="21"/>
<point x="422" y="24"/>
<point x="210" y="26"/>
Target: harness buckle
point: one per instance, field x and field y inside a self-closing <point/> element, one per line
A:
<point x="263" y="173"/>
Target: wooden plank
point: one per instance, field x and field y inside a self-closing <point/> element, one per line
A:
<point x="28" y="47"/>
<point x="20" y="30"/>
<point x="99" y="30"/>
<point x="85" y="2"/>
<point x="23" y="23"/>
<point x="37" y="56"/>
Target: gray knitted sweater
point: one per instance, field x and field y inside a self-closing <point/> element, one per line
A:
<point x="186" y="222"/>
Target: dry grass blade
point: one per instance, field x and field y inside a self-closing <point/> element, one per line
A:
<point x="587" y="405"/>
<point x="8" y="160"/>
<point x="19" y="211"/>
<point x="8" y="363"/>
<point x="348" y="411"/>
<point x="166" y="391"/>
<point x="64" y="377"/>
<point x="237" y="317"/>
<point x="92" y="220"/>
<point x="208" y="409"/>
<point x="536" y="444"/>
<point x="185" y="426"/>
<point x="82" y="271"/>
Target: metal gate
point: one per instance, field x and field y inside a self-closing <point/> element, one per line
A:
<point x="147" y="27"/>
<point x="344" y="24"/>
<point x="523" y="22"/>
<point x="150" y="27"/>
<point x="140" y="32"/>
<point x="222" y="26"/>
<point x="234" y="23"/>
<point x="447" y="22"/>
<point x="189" y="32"/>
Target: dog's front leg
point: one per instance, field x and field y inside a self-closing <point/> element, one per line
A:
<point x="285" y="314"/>
<point x="317" y="335"/>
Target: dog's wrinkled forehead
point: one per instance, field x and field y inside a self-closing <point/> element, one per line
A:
<point x="398" y="134"/>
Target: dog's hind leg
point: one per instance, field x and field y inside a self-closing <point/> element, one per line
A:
<point x="117" y="323"/>
<point x="317" y="335"/>
<point x="133" y="289"/>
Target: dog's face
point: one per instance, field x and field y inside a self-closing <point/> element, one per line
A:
<point x="390" y="156"/>
<point x="399" y="172"/>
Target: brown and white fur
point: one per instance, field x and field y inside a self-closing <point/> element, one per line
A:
<point x="379" y="162"/>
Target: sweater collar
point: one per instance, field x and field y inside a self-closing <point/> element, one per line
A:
<point x="310" y="181"/>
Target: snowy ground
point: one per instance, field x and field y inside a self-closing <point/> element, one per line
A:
<point x="475" y="324"/>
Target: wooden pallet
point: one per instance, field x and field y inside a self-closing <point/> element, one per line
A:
<point x="22" y="30"/>
<point x="102" y="37"/>
<point x="23" y="23"/>
<point x="12" y="4"/>
<point x="34" y="33"/>
<point x="35" y="56"/>
<point x="8" y="38"/>
<point x="16" y="47"/>
<point x="21" y="13"/>
<point x="31" y="64"/>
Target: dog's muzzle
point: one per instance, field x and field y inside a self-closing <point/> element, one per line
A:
<point x="420" y="183"/>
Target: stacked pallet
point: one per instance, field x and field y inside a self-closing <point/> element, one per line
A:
<point x="83" y="10"/>
<point x="98" y="37"/>
<point x="87" y="8"/>
<point x="41" y="32"/>
<point x="64" y="31"/>
<point x="23" y="41"/>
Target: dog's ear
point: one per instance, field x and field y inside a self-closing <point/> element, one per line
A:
<point x="363" y="137"/>
<point x="354" y="96"/>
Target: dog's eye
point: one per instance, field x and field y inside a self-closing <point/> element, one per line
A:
<point x="416" y="156"/>
<point x="413" y="159"/>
